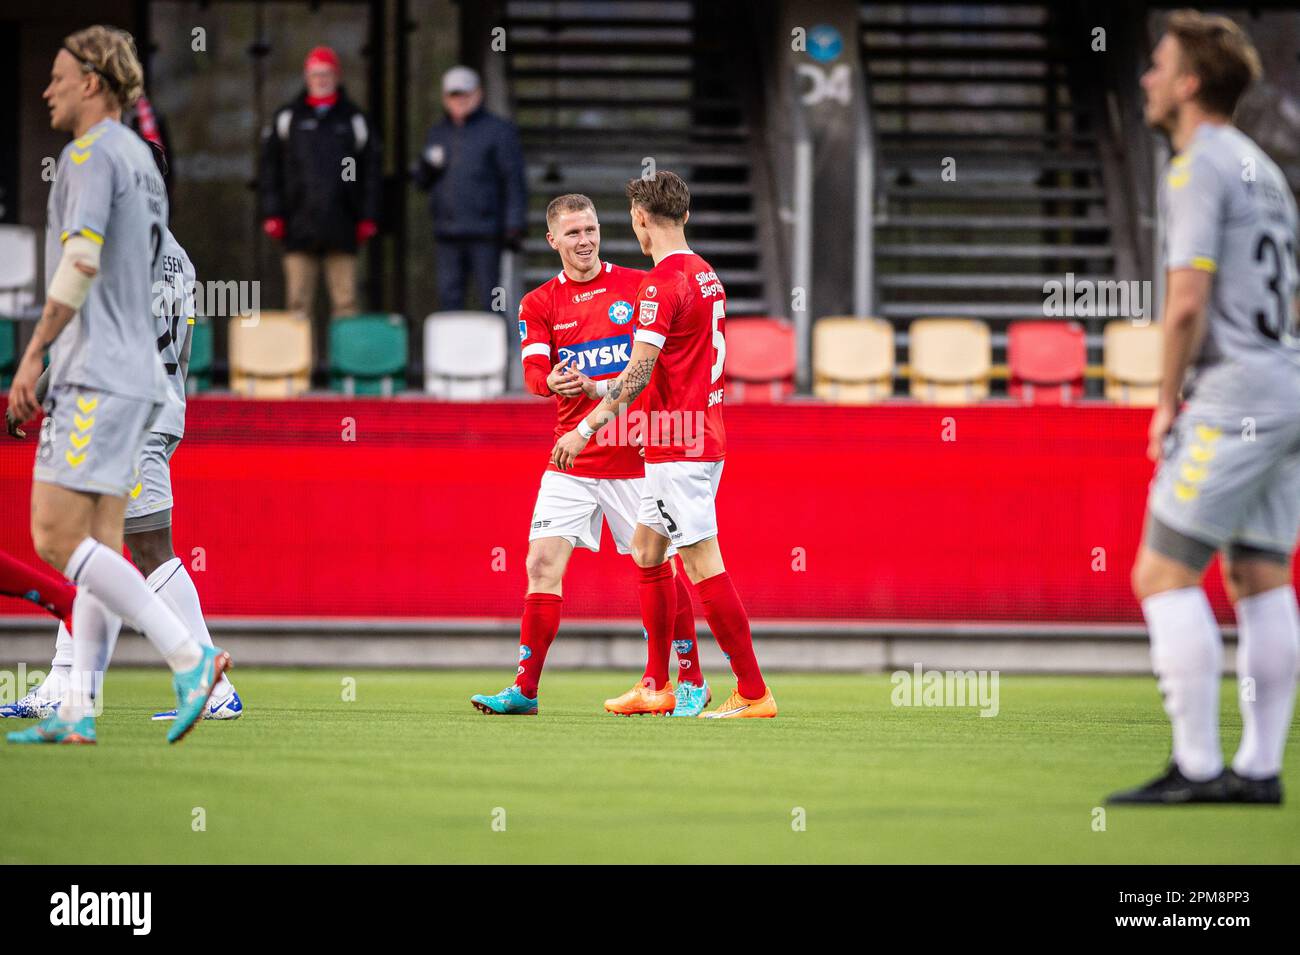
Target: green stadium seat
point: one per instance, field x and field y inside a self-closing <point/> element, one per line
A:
<point x="8" y="350"/>
<point x="199" y="376"/>
<point x="368" y="354"/>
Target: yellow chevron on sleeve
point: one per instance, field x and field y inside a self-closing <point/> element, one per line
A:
<point x="87" y="405"/>
<point x="78" y="158"/>
<point x="75" y="459"/>
<point x="83" y="424"/>
<point x="1205" y="264"/>
<point x="85" y="142"/>
<point x="79" y="441"/>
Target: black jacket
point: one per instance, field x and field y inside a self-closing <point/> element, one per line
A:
<point x="302" y="177"/>
<point x="475" y="177"/>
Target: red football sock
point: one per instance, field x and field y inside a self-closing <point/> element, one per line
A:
<point x="684" y="642"/>
<point x="54" y="594"/>
<point x="658" y="596"/>
<point x="536" y="631"/>
<point x="730" y="625"/>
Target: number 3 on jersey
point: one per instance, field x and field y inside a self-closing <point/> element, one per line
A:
<point x="719" y="341"/>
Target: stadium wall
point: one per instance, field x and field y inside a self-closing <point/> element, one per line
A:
<point x="393" y="509"/>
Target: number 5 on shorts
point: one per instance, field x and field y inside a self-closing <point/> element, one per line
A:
<point x="668" y="521"/>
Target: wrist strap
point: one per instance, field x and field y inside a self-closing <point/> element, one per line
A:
<point x="585" y="429"/>
<point x="602" y="388"/>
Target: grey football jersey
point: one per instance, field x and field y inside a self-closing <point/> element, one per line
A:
<point x="1228" y="210"/>
<point x="173" y="310"/>
<point x="107" y="188"/>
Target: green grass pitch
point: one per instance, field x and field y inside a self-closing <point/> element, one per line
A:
<point x="408" y="772"/>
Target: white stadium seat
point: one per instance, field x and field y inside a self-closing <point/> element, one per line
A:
<point x="465" y="355"/>
<point x="17" y="268"/>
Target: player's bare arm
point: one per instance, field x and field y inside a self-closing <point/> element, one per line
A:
<point x="1186" y="298"/>
<point x="22" y="392"/>
<point x="625" y="389"/>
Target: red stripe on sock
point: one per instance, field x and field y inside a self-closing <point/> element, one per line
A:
<point x="730" y="625"/>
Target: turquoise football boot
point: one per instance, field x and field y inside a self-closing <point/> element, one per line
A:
<point x="509" y="702"/>
<point x="193" y="688"/>
<point x="691" y="699"/>
<point x="55" y="730"/>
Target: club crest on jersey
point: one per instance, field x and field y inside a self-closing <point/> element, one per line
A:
<point x="523" y="329"/>
<point x="620" y="313"/>
<point x="649" y="312"/>
<point x="604" y="356"/>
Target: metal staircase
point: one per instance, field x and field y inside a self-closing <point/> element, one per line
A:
<point x="598" y="89"/>
<point x="985" y="88"/>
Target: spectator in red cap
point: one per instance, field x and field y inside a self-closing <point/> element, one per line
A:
<point x="320" y="187"/>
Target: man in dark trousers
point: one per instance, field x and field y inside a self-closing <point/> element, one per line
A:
<point x="473" y="167"/>
<point x="320" y="184"/>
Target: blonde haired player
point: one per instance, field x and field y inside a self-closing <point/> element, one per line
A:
<point x="1226" y="430"/>
<point x="107" y="216"/>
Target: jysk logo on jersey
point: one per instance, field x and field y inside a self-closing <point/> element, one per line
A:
<point x="620" y="313"/>
<point x="649" y="312"/>
<point x="604" y="356"/>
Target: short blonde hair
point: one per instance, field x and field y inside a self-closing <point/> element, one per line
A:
<point x="1218" y="53"/>
<point x="569" y="202"/>
<point x="110" y="54"/>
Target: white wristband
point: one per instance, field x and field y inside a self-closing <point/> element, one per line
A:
<point x="585" y="429"/>
<point x="602" y="388"/>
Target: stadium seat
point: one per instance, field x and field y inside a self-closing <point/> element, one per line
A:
<point x="199" y="376"/>
<point x="17" y="268"/>
<point x="464" y="355"/>
<point x="1132" y="359"/>
<point x="8" y="351"/>
<point x="853" y="359"/>
<point x="271" y="359"/>
<point x="760" y="360"/>
<point x="368" y="354"/>
<point x="951" y="359"/>
<point x="1046" y="361"/>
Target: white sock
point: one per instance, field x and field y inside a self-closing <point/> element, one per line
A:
<point x="1268" y="644"/>
<point x="55" y="686"/>
<point x="117" y="583"/>
<point x="173" y="584"/>
<point x="90" y="654"/>
<point x="62" y="648"/>
<point x="1187" y="656"/>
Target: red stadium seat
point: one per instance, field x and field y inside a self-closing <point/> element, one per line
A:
<point x="1046" y="362"/>
<point x="760" y="360"/>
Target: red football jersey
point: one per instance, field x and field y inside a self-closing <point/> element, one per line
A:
<point x="681" y="307"/>
<point x="590" y="322"/>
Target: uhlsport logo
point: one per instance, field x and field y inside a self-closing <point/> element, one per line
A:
<point x="620" y="313"/>
<point x="76" y="907"/>
<point x="604" y="356"/>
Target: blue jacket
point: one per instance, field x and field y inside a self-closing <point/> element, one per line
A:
<point x="475" y="178"/>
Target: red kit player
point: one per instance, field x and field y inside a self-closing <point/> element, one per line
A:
<point x="680" y="315"/>
<point x="576" y="337"/>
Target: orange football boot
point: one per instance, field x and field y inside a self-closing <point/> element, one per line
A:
<point x="739" y="707"/>
<point x="642" y="699"/>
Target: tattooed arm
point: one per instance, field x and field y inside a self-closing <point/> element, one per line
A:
<point x="625" y="389"/>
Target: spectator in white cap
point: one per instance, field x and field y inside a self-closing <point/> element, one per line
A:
<point x="473" y="168"/>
